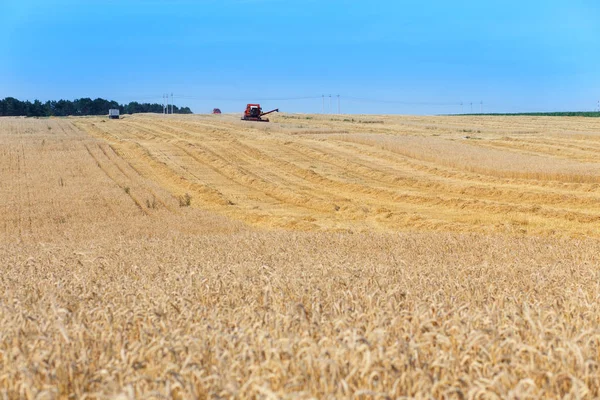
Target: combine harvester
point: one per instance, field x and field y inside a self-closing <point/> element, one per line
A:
<point x="254" y="113"/>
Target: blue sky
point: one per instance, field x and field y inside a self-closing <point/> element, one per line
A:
<point x="421" y="57"/>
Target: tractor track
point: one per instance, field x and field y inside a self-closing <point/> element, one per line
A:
<point x="125" y="188"/>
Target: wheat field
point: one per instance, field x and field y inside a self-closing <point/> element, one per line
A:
<point x="316" y="256"/>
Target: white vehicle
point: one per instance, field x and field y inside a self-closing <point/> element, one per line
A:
<point x="113" y="113"/>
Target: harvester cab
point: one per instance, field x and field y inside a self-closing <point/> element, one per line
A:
<point x="254" y="113"/>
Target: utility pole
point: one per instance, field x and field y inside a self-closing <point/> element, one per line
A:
<point x="338" y="96"/>
<point x="471" y="107"/>
<point x="461" y="108"/>
<point x="172" y="103"/>
<point x="323" y="109"/>
<point x="481" y="107"/>
<point x="330" y="105"/>
<point x="163" y="104"/>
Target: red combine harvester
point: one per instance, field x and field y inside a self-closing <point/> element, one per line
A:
<point x="254" y="113"/>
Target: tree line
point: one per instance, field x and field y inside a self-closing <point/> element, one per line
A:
<point x="85" y="106"/>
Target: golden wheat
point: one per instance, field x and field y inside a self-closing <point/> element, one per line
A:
<point x="203" y="257"/>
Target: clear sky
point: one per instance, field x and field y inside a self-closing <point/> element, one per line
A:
<point x="422" y="57"/>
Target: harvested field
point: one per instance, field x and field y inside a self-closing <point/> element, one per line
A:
<point x="311" y="257"/>
<point x="414" y="173"/>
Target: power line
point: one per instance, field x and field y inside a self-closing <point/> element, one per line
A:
<point x="322" y="97"/>
<point x="402" y="102"/>
<point x="247" y="98"/>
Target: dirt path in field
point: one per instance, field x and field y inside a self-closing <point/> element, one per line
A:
<point x="523" y="175"/>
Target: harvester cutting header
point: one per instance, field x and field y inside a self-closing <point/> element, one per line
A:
<point x="254" y="113"/>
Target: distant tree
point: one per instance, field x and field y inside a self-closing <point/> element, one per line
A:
<point x="13" y="107"/>
<point x="84" y="106"/>
<point x="62" y="108"/>
<point x="133" y="107"/>
<point x="37" y="109"/>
